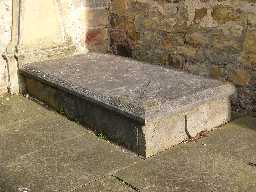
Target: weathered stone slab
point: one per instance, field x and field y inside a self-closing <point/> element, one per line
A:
<point x="147" y="108"/>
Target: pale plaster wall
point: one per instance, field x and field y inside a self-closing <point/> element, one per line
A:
<point x="46" y="27"/>
<point x="48" y="23"/>
<point x="40" y="24"/>
<point x="51" y="29"/>
<point x="74" y="14"/>
<point x="5" y="36"/>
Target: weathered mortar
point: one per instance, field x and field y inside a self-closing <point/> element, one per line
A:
<point x="206" y="37"/>
<point x="5" y="35"/>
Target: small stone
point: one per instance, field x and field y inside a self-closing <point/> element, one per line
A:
<point x="223" y="14"/>
<point x="199" y="14"/>
<point x="23" y="189"/>
<point x="240" y="77"/>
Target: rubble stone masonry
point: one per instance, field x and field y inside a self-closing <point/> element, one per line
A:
<point x="214" y="38"/>
<point x="97" y="22"/>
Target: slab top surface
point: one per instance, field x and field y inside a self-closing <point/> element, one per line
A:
<point x="136" y="89"/>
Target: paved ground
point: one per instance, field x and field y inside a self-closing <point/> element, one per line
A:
<point x="43" y="151"/>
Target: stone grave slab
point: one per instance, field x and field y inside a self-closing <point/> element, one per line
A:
<point x="145" y="108"/>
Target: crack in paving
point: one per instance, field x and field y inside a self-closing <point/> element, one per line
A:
<point x="105" y="176"/>
<point x="252" y="164"/>
<point x="122" y="168"/>
<point x="85" y="184"/>
<point x="126" y="183"/>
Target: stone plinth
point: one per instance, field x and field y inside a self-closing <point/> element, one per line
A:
<point x="145" y="108"/>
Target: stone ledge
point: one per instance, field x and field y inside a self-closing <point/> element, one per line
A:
<point x="30" y="55"/>
<point x="72" y="74"/>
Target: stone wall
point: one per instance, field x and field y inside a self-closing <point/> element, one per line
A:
<point x="97" y="24"/>
<point x="5" y="36"/>
<point x="214" y="38"/>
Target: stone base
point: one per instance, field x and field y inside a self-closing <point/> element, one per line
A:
<point x="163" y="133"/>
<point x="149" y="120"/>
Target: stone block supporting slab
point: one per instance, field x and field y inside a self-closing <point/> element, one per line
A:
<point x="145" y="108"/>
<point x="163" y="133"/>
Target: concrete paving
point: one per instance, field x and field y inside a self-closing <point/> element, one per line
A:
<point x="41" y="150"/>
<point x="223" y="161"/>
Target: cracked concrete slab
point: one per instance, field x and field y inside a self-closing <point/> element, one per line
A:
<point x="60" y="155"/>
<point x="64" y="166"/>
<point x="53" y="154"/>
<point x="220" y="162"/>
